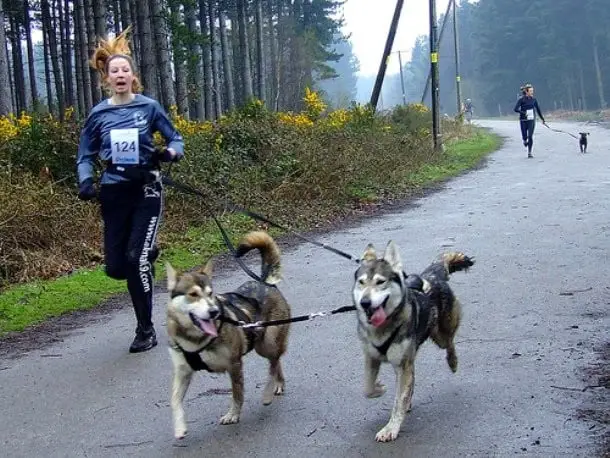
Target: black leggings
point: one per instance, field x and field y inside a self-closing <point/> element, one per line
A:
<point x="527" y="132"/>
<point x="132" y="213"/>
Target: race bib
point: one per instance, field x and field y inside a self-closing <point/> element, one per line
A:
<point x="529" y="114"/>
<point x="125" y="146"/>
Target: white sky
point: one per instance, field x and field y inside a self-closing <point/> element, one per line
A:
<point x="368" y="21"/>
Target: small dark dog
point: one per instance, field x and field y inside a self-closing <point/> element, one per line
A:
<point x="583" y="141"/>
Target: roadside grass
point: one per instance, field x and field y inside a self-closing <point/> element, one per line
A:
<point x="26" y="305"/>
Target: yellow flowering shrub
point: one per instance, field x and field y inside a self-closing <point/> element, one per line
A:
<point x="188" y="127"/>
<point x="419" y="107"/>
<point x="8" y="128"/>
<point x="337" y="119"/>
<point x="314" y="105"/>
<point x="295" y="119"/>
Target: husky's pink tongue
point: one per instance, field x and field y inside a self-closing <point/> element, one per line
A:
<point x="208" y="327"/>
<point x="378" y="317"/>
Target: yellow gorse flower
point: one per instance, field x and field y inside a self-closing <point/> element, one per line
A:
<point x="314" y="105"/>
<point x="10" y="126"/>
<point x="296" y="120"/>
<point x="419" y="107"/>
<point x="188" y="127"/>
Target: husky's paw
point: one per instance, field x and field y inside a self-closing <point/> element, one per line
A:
<point x="387" y="434"/>
<point x="180" y="432"/>
<point x="377" y="391"/>
<point x="230" y="418"/>
<point x="279" y="389"/>
<point x="273" y="388"/>
<point x="452" y="361"/>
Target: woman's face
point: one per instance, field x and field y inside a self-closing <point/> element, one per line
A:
<point x="530" y="91"/>
<point x="120" y="75"/>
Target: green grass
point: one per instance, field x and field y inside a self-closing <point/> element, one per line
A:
<point x="458" y="157"/>
<point x="23" y="306"/>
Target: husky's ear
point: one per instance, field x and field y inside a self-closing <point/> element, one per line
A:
<point x="172" y="276"/>
<point x="392" y="256"/>
<point x="369" y="253"/>
<point x="207" y="269"/>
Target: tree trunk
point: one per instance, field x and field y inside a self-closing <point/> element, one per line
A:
<point x="116" y="16"/>
<point x="66" y="48"/>
<point x="94" y="76"/>
<point x="125" y="14"/>
<point x="166" y="81"/>
<point x="135" y="36"/>
<point x="207" y="60"/>
<point x="30" y="48"/>
<point x="82" y="54"/>
<point x="99" y="17"/>
<point x="18" y="76"/>
<point x="52" y="38"/>
<point x="273" y="54"/>
<point x="227" y="61"/>
<point x="149" y="75"/>
<point x="197" y="108"/>
<point x="236" y="53"/>
<point x="179" y="53"/>
<point x="217" y="88"/>
<point x="583" y="94"/>
<point x="568" y="84"/>
<point x="283" y="49"/>
<point x="47" y="74"/>
<point x="6" y="105"/>
<point x="10" y="79"/>
<point x="598" y="74"/>
<point x="260" y="55"/>
<point x="245" y="50"/>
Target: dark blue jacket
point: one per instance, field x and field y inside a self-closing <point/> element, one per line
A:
<point x="106" y="120"/>
<point x="524" y="105"/>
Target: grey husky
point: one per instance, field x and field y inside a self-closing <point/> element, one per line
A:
<point x="396" y="314"/>
<point x="202" y="338"/>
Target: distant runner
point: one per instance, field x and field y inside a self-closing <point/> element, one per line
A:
<point x="468" y="110"/>
<point x="527" y="106"/>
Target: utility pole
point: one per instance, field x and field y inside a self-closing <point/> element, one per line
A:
<point x="456" y="45"/>
<point x="436" y="135"/>
<point x="386" y="55"/>
<point x="402" y="80"/>
<point x="440" y="39"/>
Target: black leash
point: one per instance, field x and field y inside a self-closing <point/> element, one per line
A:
<point x="236" y="208"/>
<point x="167" y="180"/>
<point x="295" y="319"/>
<point x="170" y="182"/>
<point x="560" y="131"/>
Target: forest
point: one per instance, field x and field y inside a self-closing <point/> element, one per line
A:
<point x="562" y="47"/>
<point x="205" y="57"/>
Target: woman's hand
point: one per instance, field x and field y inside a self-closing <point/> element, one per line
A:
<point x="86" y="190"/>
<point x="169" y="155"/>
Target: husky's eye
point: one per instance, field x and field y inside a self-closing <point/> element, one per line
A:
<point x="193" y="294"/>
<point x="380" y="281"/>
<point x="361" y="281"/>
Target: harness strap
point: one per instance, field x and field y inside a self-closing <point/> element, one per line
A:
<point x="146" y="175"/>
<point x="242" y="317"/>
<point x="384" y="347"/>
<point x="193" y="358"/>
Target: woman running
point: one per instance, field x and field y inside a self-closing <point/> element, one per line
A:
<point x="527" y="107"/>
<point x="119" y="131"/>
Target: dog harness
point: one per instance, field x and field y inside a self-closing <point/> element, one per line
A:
<point x="414" y="283"/>
<point x="193" y="358"/>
